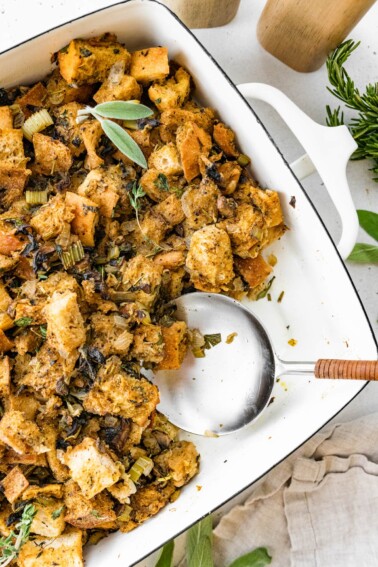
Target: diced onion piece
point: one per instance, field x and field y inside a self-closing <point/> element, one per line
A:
<point x="36" y="123"/>
<point x="143" y="465"/>
<point x="74" y="254"/>
<point x="122" y="342"/>
<point x="116" y="72"/>
<point x="120" y="322"/>
<point x="113" y="253"/>
<point x="36" y="197"/>
<point x="125" y="516"/>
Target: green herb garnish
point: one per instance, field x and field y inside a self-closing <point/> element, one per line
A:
<point x="161" y="182"/>
<point x="364" y="127"/>
<point x="263" y="293"/>
<point x="121" y="110"/>
<point x="212" y="340"/>
<point x="366" y="253"/>
<point x="165" y="559"/>
<point x="11" y="545"/>
<point x="257" y="558"/>
<point x="135" y="194"/>
<point x="24" y="321"/>
<point x="57" y="513"/>
<point x="43" y="331"/>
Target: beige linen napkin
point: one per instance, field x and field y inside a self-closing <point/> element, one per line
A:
<point x="319" y="508"/>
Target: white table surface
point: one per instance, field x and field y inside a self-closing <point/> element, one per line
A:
<point x="236" y="49"/>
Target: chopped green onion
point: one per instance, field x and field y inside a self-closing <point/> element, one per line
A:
<point x="143" y="465"/>
<point x="243" y="160"/>
<point x="264" y="291"/>
<point x="24" y="321"/>
<point x="125" y="516"/>
<point x="36" y="122"/>
<point x="36" y="197"/>
<point x="212" y="340"/>
<point x="74" y="254"/>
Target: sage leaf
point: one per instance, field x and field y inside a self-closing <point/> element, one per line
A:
<point x="199" y="544"/>
<point x="369" y="222"/>
<point x="364" y="254"/>
<point x="257" y="558"/>
<point x="165" y="559"/>
<point x="124" y="142"/>
<point x="122" y="110"/>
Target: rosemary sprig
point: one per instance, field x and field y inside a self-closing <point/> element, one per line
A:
<point x="121" y="110"/>
<point x="363" y="127"/>
<point x="11" y="545"/>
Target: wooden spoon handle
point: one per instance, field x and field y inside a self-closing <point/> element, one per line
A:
<point x="347" y="369"/>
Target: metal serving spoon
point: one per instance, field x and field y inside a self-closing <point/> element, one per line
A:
<point x="231" y="386"/>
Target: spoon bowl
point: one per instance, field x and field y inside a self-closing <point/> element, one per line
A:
<point x="232" y="384"/>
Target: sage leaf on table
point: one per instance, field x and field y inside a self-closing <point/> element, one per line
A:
<point x="124" y="142"/>
<point x="369" y="222"/>
<point x="256" y="558"/>
<point x="199" y="544"/>
<point x="165" y="559"/>
<point x="364" y="254"/>
<point x="123" y="110"/>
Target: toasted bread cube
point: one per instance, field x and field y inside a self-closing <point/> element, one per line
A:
<point x="151" y="186"/>
<point x="253" y="270"/>
<point x="51" y="155"/>
<point x="172" y="92"/>
<point x="35" y="96"/>
<point x="85" y="217"/>
<point x="225" y="139"/>
<point x="22" y="435"/>
<point x="23" y="308"/>
<point x="5" y="377"/>
<point x="148" y="343"/>
<point x="269" y="204"/>
<point x="200" y="204"/>
<point x="5" y="343"/>
<point x="91" y="132"/>
<point x="230" y="174"/>
<point x="180" y="461"/>
<point x="68" y="129"/>
<point x="89" y="61"/>
<point x="149" y="499"/>
<point x="171" y="210"/>
<point x="49" y="490"/>
<point x="90" y="468"/>
<point x="14" y="484"/>
<point x="5" y="512"/>
<point x="10" y="457"/>
<point x="96" y="513"/>
<point x="192" y="143"/>
<point x="12" y="148"/>
<point x="6" y="322"/>
<point x="65" y="325"/>
<point x="49" y="518"/>
<point x="109" y="338"/>
<point x="12" y="181"/>
<point x="117" y="393"/>
<point x="6" y="117"/>
<point x="166" y="160"/>
<point x="247" y="230"/>
<point x="103" y="186"/>
<point x="154" y="227"/>
<point x="126" y="89"/>
<point x="65" y="550"/>
<point x="51" y="219"/>
<point x="59" y="92"/>
<point x="148" y="65"/>
<point x="25" y="403"/>
<point x="170" y="260"/>
<point x="209" y="259"/>
<point x="61" y="472"/>
<point x="172" y="118"/>
<point x="141" y="272"/>
<point x="175" y="346"/>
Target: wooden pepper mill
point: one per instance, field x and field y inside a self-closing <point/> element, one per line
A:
<point x="204" y="13"/>
<point x="302" y="33"/>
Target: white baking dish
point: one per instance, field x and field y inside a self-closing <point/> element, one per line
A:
<point x="320" y="308"/>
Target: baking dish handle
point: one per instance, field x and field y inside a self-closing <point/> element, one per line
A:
<point x="328" y="149"/>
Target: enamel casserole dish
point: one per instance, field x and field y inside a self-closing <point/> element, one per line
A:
<point x="320" y="309"/>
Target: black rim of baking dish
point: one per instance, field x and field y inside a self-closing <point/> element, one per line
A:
<point x="245" y="101"/>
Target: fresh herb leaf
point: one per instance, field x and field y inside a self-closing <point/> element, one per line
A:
<point x="364" y="254"/>
<point x="57" y="513"/>
<point x="263" y="292"/>
<point x="161" y="182"/>
<point x="43" y="331"/>
<point x="199" y="544"/>
<point x="369" y="222"/>
<point x="135" y="194"/>
<point x="123" y="110"/>
<point x="165" y="559"/>
<point x="363" y="127"/>
<point x="124" y="142"/>
<point x="24" y="321"/>
<point x="212" y="340"/>
<point x="10" y="546"/>
<point x="257" y="558"/>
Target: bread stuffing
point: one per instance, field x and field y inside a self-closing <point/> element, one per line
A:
<point x="93" y="248"/>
